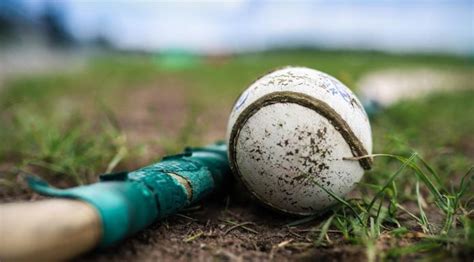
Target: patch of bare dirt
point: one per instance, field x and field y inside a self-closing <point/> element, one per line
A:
<point x="224" y="227"/>
<point x="152" y="114"/>
<point x="388" y="86"/>
<point x="213" y="121"/>
<point x="148" y="112"/>
<point x="156" y="114"/>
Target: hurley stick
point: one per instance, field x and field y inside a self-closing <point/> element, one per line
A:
<point x="102" y="214"/>
<point x="48" y="230"/>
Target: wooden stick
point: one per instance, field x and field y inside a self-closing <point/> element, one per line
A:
<point x="53" y="229"/>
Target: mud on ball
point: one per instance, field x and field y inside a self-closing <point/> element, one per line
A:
<point x="289" y="134"/>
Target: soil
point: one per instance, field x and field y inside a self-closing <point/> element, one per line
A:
<point x="222" y="227"/>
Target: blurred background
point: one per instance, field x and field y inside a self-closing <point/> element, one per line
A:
<point x="52" y="31"/>
<point x="88" y="87"/>
<point x="213" y="28"/>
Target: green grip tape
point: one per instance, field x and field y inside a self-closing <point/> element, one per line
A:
<point x="130" y="201"/>
<point x="124" y="207"/>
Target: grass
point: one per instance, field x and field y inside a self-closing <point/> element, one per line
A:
<point x="61" y="146"/>
<point x="363" y="220"/>
<point x="60" y="126"/>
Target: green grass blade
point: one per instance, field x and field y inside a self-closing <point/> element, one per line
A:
<point x="425" y="225"/>
<point x="341" y="201"/>
<point x="392" y="178"/>
<point x="324" y="230"/>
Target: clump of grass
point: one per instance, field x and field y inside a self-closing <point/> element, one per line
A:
<point x="61" y="145"/>
<point x="364" y="220"/>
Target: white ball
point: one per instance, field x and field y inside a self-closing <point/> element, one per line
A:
<point x="291" y="131"/>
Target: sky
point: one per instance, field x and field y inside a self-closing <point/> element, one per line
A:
<point x="251" y="25"/>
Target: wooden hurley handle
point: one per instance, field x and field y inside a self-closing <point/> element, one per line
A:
<point x="54" y="229"/>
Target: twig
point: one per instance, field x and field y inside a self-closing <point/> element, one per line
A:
<point x="187" y="217"/>
<point x="241" y="225"/>
<point x="193" y="237"/>
<point x="278" y="246"/>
